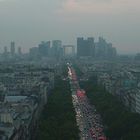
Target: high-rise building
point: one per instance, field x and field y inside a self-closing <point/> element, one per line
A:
<point x="5" y="53"/>
<point x="85" y="47"/>
<point x="19" y="51"/>
<point x="104" y="50"/>
<point x="44" y="48"/>
<point x="57" y="50"/>
<point x="101" y="47"/>
<point x="137" y="57"/>
<point x="34" y="54"/>
<point x="5" y="50"/>
<point x="91" y="45"/>
<point x="12" y="49"/>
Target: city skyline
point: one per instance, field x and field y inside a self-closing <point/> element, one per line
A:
<point x="52" y="43"/>
<point x="117" y="21"/>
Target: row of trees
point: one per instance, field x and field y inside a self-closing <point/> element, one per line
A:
<point x="58" y="117"/>
<point x="120" y="123"/>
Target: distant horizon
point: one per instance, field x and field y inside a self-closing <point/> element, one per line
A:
<point x="26" y="50"/>
<point x="27" y="22"/>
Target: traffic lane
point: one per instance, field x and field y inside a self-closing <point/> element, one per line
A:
<point x="85" y="107"/>
<point x="90" y="121"/>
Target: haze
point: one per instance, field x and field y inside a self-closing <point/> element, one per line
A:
<point x="28" y="22"/>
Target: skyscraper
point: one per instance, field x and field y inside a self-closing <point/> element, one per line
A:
<point x="57" y="50"/>
<point x="19" y="51"/>
<point x="104" y="50"/>
<point x="44" y="48"/>
<point x="85" y="47"/>
<point x="12" y="49"/>
<point x="5" y="50"/>
<point x="5" y="53"/>
<point x="34" y="53"/>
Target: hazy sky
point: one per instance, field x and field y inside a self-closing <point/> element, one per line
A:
<point x="28" y="22"/>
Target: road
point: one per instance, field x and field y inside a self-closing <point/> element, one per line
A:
<point x="88" y="120"/>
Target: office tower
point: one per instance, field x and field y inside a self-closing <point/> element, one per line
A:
<point x="34" y="53"/>
<point x="5" y="50"/>
<point x="19" y="51"/>
<point x="57" y="50"/>
<point x="104" y="50"/>
<point x="44" y="48"/>
<point x="5" y="53"/>
<point x="91" y="45"/>
<point x="101" y="47"/>
<point x="85" y="47"/>
<point x="137" y="57"/>
<point x="12" y="49"/>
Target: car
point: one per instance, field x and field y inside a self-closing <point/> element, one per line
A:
<point x="102" y="138"/>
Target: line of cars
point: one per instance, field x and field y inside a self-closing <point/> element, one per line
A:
<point x="88" y="120"/>
<point x="91" y="117"/>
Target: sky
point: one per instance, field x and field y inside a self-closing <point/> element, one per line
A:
<point x="28" y="22"/>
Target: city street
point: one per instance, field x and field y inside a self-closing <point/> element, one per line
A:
<point x="88" y="120"/>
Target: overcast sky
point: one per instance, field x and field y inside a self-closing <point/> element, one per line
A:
<point x="27" y="22"/>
